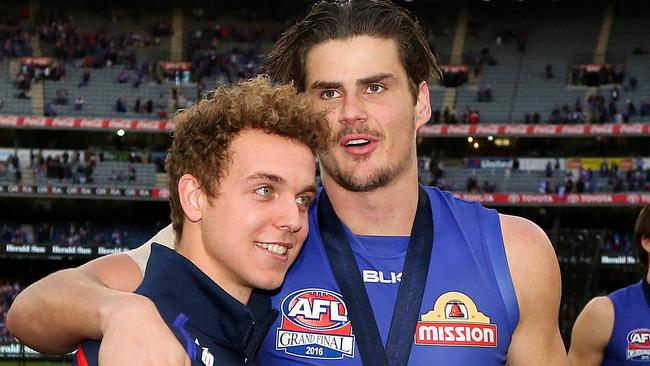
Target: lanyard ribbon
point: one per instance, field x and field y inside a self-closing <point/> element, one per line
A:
<point x="411" y="288"/>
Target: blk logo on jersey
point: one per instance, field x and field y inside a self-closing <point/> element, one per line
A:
<point x="638" y="345"/>
<point x="315" y="324"/>
<point x="455" y="321"/>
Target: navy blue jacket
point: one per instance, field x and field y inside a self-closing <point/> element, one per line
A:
<point x="213" y="327"/>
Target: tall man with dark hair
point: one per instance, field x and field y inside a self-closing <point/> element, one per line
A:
<point x="615" y="329"/>
<point x="392" y="272"/>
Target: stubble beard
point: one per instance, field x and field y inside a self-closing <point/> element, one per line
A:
<point x="380" y="178"/>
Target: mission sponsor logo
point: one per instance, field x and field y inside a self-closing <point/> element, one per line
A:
<point x="455" y="321"/>
<point x="638" y="345"/>
<point x="315" y="324"/>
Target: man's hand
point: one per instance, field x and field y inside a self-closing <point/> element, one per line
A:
<point x="135" y="334"/>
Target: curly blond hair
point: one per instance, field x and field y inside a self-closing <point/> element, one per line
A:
<point x="203" y="133"/>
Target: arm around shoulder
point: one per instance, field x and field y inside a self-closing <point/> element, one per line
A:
<point x="591" y="332"/>
<point x="536" y="277"/>
<point x="56" y="313"/>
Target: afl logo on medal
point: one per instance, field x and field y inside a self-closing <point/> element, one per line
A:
<point x="455" y="321"/>
<point x="638" y="345"/>
<point x="315" y="324"/>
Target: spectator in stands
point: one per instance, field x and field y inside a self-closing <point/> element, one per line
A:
<point x="618" y="74"/>
<point x="116" y="175"/>
<point x="604" y="168"/>
<point x="615" y="93"/>
<point x="634" y="83"/>
<point x="7" y="234"/>
<point x="568" y="185"/>
<point x="466" y="114"/>
<point x="61" y="97"/>
<point x="549" y="71"/>
<point x="19" y="236"/>
<point x="148" y="106"/>
<point x="435" y="117"/>
<point x="45" y="233"/>
<point x="123" y="76"/>
<point x="437" y="169"/>
<point x="100" y="239"/>
<point x="23" y="94"/>
<point x="474" y="117"/>
<point x="615" y="183"/>
<point x="484" y="93"/>
<point x="471" y="185"/>
<point x="85" y="79"/>
<point x="49" y="111"/>
<point x="527" y="118"/>
<point x="182" y="101"/>
<point x="62" y="239"/>
<point x="488" y="187"/>
<point x="132" y="174"/>
<point x="580" y="186"/>
<point x="446" y="116"/>
<point x="8" y="292"/>
<point x="78" y="104"/>
<point x="120" y="105"/>
<point x="14" y="167"/>
<point x="543" y="186"/>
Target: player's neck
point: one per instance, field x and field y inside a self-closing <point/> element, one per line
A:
<point x="191" y="247"/>
<point x="389" y="210"/>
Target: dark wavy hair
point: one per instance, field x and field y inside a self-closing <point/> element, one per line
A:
<point x="345" y="19"/>
<point x="642" y="231"/>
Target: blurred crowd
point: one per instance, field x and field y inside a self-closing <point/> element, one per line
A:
<point x="75" y="233"/>
<point x="8" y="292"/>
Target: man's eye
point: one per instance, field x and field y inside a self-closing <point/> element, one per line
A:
<point x="264" y="191"/>
<point x="330" y="94"/>
<point x="303" y="200"/>
<point x="376" y="88"/>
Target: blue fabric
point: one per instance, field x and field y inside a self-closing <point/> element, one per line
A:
<point x="629" y="343"/>
<point x="212" y="326"/>
<point x="468" y="266"/>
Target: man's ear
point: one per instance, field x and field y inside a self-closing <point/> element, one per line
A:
<point x="422" y="105"/>
<point x="190" y="193"/>
<point x="645" y="243"/>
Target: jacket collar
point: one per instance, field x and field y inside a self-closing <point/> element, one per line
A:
<point x="172" y="279"/>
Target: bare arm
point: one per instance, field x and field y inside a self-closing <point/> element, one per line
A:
<point x="591" y="333"/>
<point x="536" y="277"/>
<point x="56" y="313"/>
<point x="94" y="302"/>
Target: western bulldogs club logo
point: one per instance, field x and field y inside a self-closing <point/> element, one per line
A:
<point x="455" y="321"/>
<point x="315" y="324"/>
<point x="638" y="345"/>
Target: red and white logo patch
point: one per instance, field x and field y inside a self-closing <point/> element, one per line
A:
<point x="455" y="321"/>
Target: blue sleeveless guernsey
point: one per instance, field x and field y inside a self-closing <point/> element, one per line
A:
<point x="629" y="343"/>
<point x="469" y="308"/>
